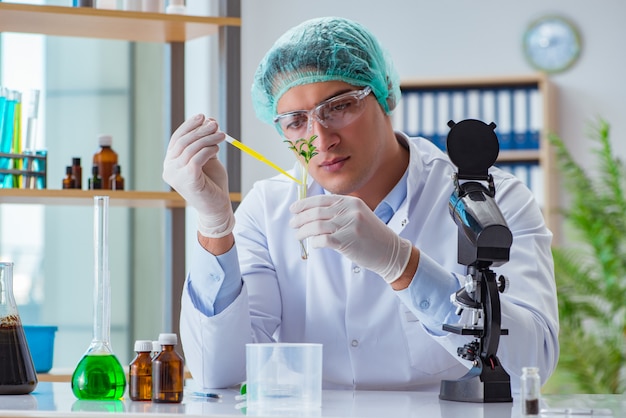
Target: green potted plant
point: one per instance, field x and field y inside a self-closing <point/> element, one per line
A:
<point x="590" y="271"/>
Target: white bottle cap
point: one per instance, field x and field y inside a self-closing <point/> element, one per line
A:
<point x="143" y="345"/>
<point x="156" y="347"/>
<point x="105" y="140"/>
<point x="168" y="339"/>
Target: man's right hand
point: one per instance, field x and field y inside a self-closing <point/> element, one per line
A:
<point x="192" y="169"/>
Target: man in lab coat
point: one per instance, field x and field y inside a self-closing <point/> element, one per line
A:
<point x="382" y="263"/>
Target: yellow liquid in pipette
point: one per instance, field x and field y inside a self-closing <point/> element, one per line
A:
<point x="259" y="157"/>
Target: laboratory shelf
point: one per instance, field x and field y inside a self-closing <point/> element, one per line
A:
<point x="76" y="197"/>
<point x="87" y="22"/>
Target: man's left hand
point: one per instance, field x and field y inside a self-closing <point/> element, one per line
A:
<point x="346" y="224"/>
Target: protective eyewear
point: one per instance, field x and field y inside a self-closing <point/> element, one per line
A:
<point x="334" y="113"/>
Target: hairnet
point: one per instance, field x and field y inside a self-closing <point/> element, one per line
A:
<point x="324" y="49"/>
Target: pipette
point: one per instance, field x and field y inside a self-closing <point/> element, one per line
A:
<point x="258" y="156"/>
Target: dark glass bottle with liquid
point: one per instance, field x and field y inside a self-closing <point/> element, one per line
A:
<point x="105" y="159"/>
<point x="95" y="181"/>
<point x="116" y="181"/>
<point x="17" y="371"/>
<point x="68" y="180"/>
<point x="168" y="372"/>
<point x="77" y="172"/>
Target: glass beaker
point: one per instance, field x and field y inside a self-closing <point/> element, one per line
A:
<point x="17" y="371"/>
<point x="99" y="375"/>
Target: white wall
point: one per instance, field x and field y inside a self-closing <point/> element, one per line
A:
<point x="429" y="39"/>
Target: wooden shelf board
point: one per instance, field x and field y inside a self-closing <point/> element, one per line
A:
<point x="72" y="197"/>
<point x="85" y="197"/>
<point x="108" y="24"/>
<point x="468" y="82"/>
<point x="519" y="155"/>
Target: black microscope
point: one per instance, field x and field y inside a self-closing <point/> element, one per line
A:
<point x="484" y="240"/>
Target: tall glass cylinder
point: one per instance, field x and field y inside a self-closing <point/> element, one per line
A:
<point x="99" y="374"/>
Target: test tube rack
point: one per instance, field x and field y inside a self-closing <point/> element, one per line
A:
<point x="34" y="173"/>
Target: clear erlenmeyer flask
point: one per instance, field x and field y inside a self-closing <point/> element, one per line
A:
<point x="99" y="374"/>
<point x="17" y="372"/>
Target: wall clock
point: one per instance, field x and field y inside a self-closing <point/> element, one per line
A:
<point x="551" y="44"/>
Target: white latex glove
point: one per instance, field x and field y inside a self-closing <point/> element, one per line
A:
<point x="192" y="169"/>
<point x="346" y="224"/>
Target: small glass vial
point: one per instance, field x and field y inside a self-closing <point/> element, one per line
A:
<point x="95" y="181"/>
<point x="116" y="181"/>
<point x="140" y="372"/>
<point x="531" y="389"/>
<point x="68" y="180"/>
<point x="168" y="372"/>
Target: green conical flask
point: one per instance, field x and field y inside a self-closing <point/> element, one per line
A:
<point x="99" y="374"/>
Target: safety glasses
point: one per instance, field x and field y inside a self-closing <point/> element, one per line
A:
<point x="334" y="113"/>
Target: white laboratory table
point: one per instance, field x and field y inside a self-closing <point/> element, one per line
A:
<point x="55" y="399"/>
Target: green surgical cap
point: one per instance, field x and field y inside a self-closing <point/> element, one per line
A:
<point x="324" y="49"/>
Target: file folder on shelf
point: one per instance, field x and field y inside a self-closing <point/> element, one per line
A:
<point x="516" y="110"/>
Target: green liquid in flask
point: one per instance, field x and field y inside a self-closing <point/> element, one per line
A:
<point x="99" y="376"/>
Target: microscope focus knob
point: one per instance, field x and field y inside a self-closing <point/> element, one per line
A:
<point x="503" y="284"/>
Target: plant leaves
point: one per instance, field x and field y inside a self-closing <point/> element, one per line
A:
<point x="591" y="271"/>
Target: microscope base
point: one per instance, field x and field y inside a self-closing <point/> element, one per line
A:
<point x="480" y="384"/>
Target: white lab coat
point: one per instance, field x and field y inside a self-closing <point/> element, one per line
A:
<point x="373" y="337"/>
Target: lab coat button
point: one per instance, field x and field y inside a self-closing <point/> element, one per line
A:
<point x="215" y="277"/>
<point x="355" y="343"/>
<point x="404" y="222"/>
<point x="424" y="305"/>
<point x="356" y="269"/>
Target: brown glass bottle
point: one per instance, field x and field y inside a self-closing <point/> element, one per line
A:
<point x="140" y="372"/>
<point x="168" y="372"/>
<point x="105" y="159"/>
<point x="68" y="180"/>
<point x="77" y="172"/>
<point x="17" y="371"/>
<point x="116" y="181"/>
<point x="95" y="181"/>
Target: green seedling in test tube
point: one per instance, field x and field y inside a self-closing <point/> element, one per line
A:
<point x="304" y="148"/>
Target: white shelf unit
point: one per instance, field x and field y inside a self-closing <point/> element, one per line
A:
<point x="522" y="108"/>
<point x="173" y="30"/>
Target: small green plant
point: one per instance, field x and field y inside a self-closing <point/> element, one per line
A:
<point x="591" y="271"/>
<point x="305" y="149"/>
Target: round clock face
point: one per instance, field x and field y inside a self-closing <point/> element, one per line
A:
<point x="551" y="44"/>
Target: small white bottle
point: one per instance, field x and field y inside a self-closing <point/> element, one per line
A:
<point x="176" y="7"/>
<point x="132" y="5"/>
<point x="106" y="4"/>
<point x="152" y="6"/>
<point x="531" y="388"/>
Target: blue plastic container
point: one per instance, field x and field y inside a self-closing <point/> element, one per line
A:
<point x="40" y="339"/>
